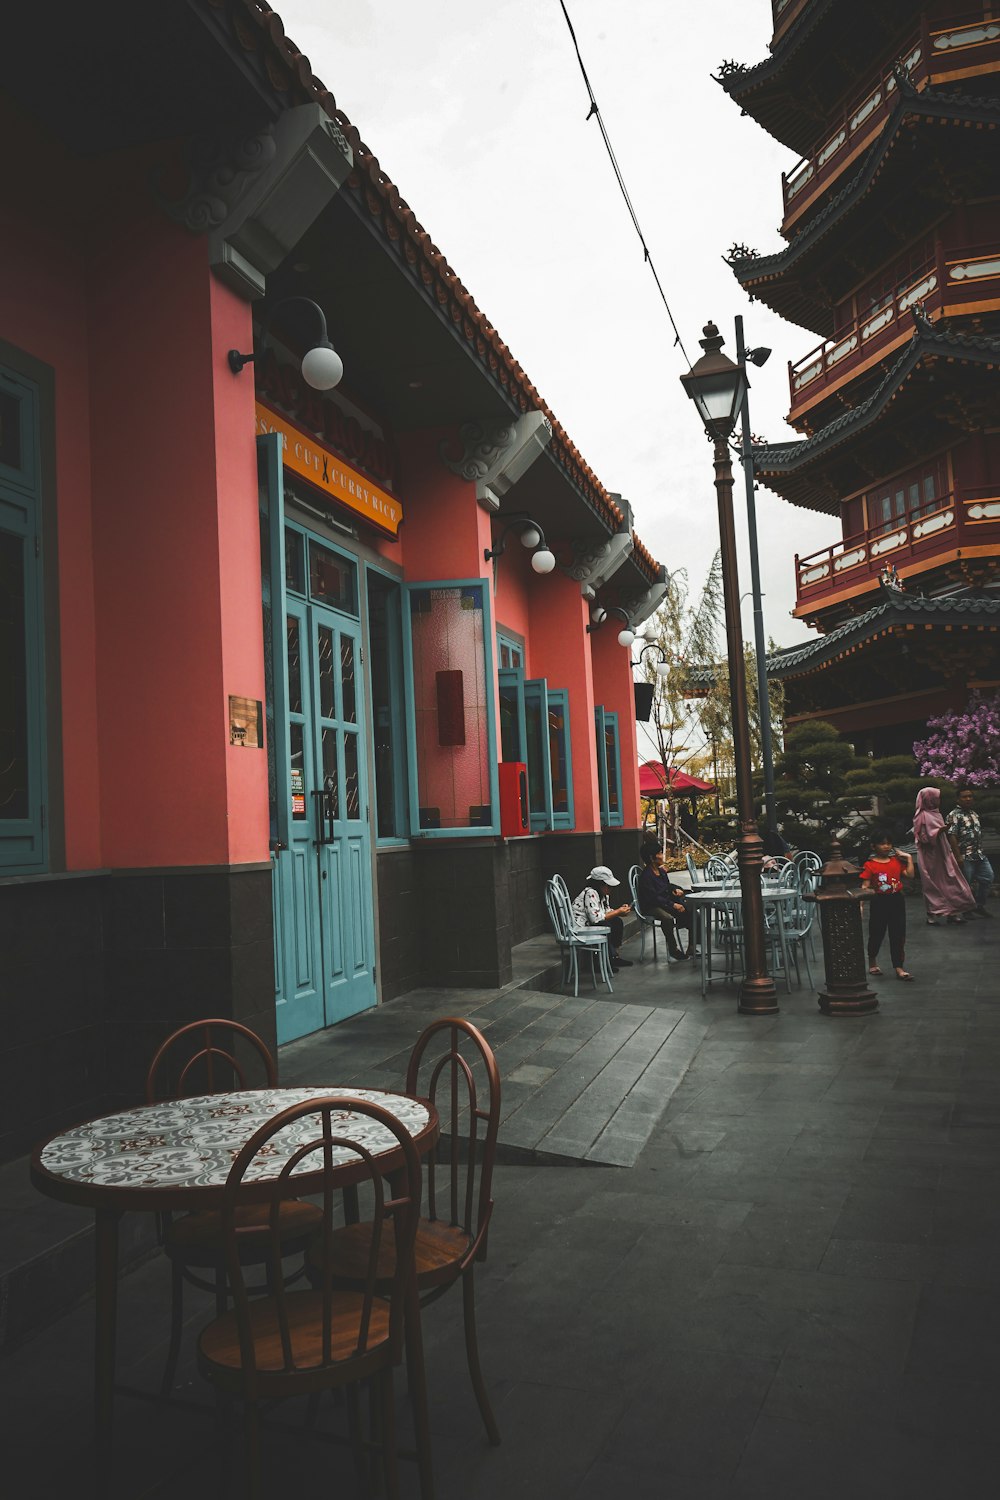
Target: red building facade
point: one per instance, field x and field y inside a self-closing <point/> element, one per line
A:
<point x="892" y="259"/>
<point x="260" y="682"/>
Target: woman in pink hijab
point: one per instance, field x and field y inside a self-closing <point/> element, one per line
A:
<point x="946" y="890"/>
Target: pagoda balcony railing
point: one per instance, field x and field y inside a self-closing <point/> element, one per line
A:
<point x="950" y="282"/>
<point x="963" y="46"/>
<point x="914" y="543"/>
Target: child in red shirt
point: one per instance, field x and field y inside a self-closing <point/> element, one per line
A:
<point x="882" y="874"/>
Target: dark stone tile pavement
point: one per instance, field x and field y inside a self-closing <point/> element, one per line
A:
<point x="791" y="1292"/>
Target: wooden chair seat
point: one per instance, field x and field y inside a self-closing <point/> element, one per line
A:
<point x="439" y="1251"/>
<point x="196" y="1239"/>
<point x="219" y="1342"/>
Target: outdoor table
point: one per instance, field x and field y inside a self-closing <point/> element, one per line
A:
<point x="703" y="899"/>
<point x="176" y="1156"/>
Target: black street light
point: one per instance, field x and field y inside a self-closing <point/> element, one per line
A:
<point x="717" y="387"/>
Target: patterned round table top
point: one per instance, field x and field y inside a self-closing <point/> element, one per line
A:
<point x="192" y="1143"/>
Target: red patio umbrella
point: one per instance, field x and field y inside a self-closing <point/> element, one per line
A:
<point x="654" y="782"/>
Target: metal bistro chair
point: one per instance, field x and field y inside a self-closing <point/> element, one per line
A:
<point x="463" y="1081"/>
<point x="692" y="869"/>
<point x="200" y="1058"/>
<point x="718" y="868"/>
<point x="301" y="1343"/>
<point x="592" y="941"/>
<point x="644" y="921"/>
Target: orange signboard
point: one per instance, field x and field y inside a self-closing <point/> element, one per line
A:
<point x="307" y="457"/>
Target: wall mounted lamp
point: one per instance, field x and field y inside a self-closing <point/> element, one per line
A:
<point x="663" y="665"/>
<point x="532" y="537"/>
<point x="599" y="614"/>
<point x="322" y="366"/>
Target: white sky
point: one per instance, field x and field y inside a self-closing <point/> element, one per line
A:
<point x="476" y="111"/>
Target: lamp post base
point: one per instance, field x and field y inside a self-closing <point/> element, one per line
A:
<point x="848" y="1000"/>
<point x="758" y="997"/>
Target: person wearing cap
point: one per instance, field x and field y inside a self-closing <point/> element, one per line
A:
<point x="591" y="908"/>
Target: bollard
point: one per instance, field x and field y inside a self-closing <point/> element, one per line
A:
<point x="847" y="991"/>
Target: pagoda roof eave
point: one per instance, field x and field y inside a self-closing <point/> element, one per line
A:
<point x="786" y="468"/>
<point x="760" y="275"/>
<point x="893" y="613"/>
<point x="758" y="90"/>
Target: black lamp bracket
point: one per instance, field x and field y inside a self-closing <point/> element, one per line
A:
<point x="237" y="360"/>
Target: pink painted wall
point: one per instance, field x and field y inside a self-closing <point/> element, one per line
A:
<point x="559" y="650"/>
<point x="445" y="531"/>
<point x="156" y="508"/>
<point x="174" y="515"/>
<point x="239" y="573"/>
<point x="613" y="688"/>
<point x="515" y="584"/>
<point x="43" y="313"/>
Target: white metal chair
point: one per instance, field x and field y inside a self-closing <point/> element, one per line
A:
<point x="592" y="941"/>
<point x="718" y="868"/>
<point x="692" y="868"/>
<point x="644" y="921"/>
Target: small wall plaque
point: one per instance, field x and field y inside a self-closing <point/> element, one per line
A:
<point x="245" y="722"/>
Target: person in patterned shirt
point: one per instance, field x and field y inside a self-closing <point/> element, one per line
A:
<point x="966" y="834"/>
<point x="592" y="908"/>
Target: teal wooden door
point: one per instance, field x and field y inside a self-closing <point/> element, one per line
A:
<point x="324" y="942"/>
<point x="340" y="796"/>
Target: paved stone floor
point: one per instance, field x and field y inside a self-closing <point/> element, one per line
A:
<point x="791" y="1292"/>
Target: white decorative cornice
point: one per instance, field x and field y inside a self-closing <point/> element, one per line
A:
<point x="255" y="196"/>
<point x="495" y="454"/>
<point x="595" y="562"/>
<point x="640" y="608"/>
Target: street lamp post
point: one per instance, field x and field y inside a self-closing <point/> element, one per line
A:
<point x="717" y="386"/>
<point x="757" y="356"/>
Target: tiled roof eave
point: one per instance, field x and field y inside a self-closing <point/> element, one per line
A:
<point x="797" y="661"/>
<point x="927" y="340"/>
<point x="290" y="73"/>
<point x="738" y="85"/>
<point x="753" y="271"/>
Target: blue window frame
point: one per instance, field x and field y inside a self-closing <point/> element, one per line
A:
<point x="448" y="655"/>
<point x="510" y="652"/>
<point x="385" y="646"/>
<point x="560" y="759"/>
<point x="609" y="771"/>
<point x="536" y="731"/>
<point x="23" y="768"/>
<point x="513" y="743"/>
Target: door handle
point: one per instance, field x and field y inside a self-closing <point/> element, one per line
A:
<point x="324" y="818"/>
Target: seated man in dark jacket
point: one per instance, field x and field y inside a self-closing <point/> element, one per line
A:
<point x="660" y="898"/>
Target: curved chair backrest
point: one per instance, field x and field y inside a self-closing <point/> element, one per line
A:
<point x="692" y="868"/>
<point x="463" y="1082"/>
<point x="633" y="884"/>
<point x="325" y="1132"/>
<point x="204" y="1052"/>
<point x="789" y="877"/>
<point x="560" y="885"/>
<point x="556" y="905"/>
<point x="805" y="859"/>
<point x="717" y="867"/>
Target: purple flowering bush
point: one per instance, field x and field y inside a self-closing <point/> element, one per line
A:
<point x="964" y="747"/>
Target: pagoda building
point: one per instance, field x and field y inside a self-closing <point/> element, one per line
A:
<point x="892" y="260"/>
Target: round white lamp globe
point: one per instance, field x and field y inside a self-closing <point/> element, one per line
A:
<point x="322" y="367"/>
<point x="543" y="561"/>
<point x="649" y="630"/>
<point x="663" y="669"/>
<point x="626" y="637"/>
<point x="598" y="615"/>
<point x="530" y="536"/>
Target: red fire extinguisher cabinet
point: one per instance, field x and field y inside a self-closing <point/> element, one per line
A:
<point x="514" y="821"/>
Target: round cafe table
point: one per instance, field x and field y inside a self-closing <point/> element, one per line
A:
<point x="175" y="1156"/>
